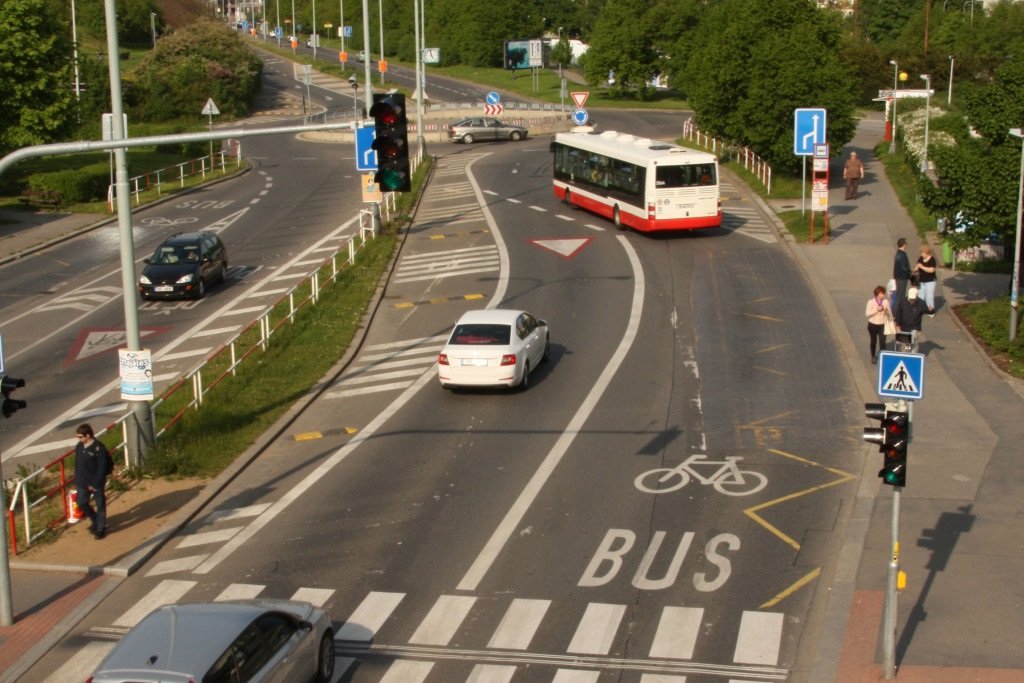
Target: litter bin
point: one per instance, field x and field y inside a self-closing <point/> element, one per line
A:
<point x="947" y="253"/>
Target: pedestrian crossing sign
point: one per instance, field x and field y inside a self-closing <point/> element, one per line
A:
<point x="901" y="375"/>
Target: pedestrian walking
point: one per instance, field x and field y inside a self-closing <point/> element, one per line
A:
<point x="901" y="272"/>
<point x="925" y="270"/>
<point x="908" y="315"/>
<point x="878" y="314"/>
<point x="92" y="466"/>
<point x="853" y="171"/>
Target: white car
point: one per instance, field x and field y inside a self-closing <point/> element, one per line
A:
<point x="497" y="347"/>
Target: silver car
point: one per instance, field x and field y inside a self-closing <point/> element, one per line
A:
<point x="485" y="128"/>
<point x="224" y="642"/>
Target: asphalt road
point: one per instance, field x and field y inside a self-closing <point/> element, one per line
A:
<point x="494" y="534"/>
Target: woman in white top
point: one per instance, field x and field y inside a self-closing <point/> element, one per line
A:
<point x="877" y="312"/>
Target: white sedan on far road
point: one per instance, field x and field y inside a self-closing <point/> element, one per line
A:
<point x="496" y="347"/>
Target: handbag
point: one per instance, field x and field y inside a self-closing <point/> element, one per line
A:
<point x="889" y="327"/>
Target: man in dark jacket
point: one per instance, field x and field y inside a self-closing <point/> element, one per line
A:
<point x="92" y="465"/>
<point x="900" y="272"/>
<point x="909" y="312"/>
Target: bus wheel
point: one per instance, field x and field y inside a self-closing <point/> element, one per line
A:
<point x="567" y="199"/>
<point x="617" y="219"/>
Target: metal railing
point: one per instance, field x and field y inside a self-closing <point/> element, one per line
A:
<point x="741" y="154"/>
<point x="176" y="174"/>
<point x="37" y="490"/>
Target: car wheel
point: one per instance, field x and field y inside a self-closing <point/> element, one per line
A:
<point x="515" y="136"/>
<point x="224" y="272"/>
<point x="525" y="381"/>
<point x="547" y="349"/>
<point x="325" y="658"/>
<point x="617" y="219"/>
<point x="201" y="290"/>
<point x="467" y="139"/>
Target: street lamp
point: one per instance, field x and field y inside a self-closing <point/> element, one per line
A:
<point x="949" y="100"/>
<point x="927" y="117"/>
<point x="895" y="84"/>
<point x="1014" y="286"/>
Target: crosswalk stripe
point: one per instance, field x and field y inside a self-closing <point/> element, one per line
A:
<point x="446" y="264"/>
<point x="444" y="618"/>
<point x="166" y="592"/>
<point x="667" y="678"/>
<point x="83" y="664"/>
<point x="453" y="273"/>
<point x="180" y="564"/>
<point x="491" y="673"/>
<point x="207" y="537"/>
<point x="187" y="354"/>
<point x="366" y="379"/>
<point x="428" y="357"/>
<point x="369" y="616"/>
<point x="427" y="255"/>
<point x="403" y="343"/>
<point x="520" y="623"/>
<point x="759" y="638"/>
<point x="575" y="676"/>
<point x="677" y="632"/>
<point x="239" y="591"/>
<point x="596" y="629"/>
<point x="238" y="513"/>
<point x="407" y="671"/>
<point x="372" y="389"/>
<point x="317" y="597"/>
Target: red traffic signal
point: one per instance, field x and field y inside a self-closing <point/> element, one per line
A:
<point x="391" y="142"/>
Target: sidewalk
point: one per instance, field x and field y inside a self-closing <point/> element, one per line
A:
<point x="960" y="615"/>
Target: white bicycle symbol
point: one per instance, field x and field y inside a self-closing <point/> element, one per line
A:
<point x="728" y="478"/>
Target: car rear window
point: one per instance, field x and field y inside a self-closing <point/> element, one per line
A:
<point x="488" y="334"/>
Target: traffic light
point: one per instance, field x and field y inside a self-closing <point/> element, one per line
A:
<point x="892" y="438"/>
<point x="10" y="405"/>
<point x="391" y="142"/>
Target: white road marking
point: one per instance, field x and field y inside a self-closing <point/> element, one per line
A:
<point x="407" y="671"/>
<point x="240" y="591"/>
<point x="759" y="638"/>
<point x="83" y="664"/>
<point x="443" y="620"/>
<point x="677" y="632"/>
<point x="520" y="623"/>
<point x="596" y="630"/>
<point x="369" y="616"/>
<point x="167" y="592"/>
<point x="491" y="673"/>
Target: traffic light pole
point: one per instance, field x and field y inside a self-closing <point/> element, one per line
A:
<point x="891" y="594"/>
<point x="6" y="596"/>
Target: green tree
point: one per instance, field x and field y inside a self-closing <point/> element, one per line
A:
<point x="188" y="67"/>
<point x="133" y="23"/>
<point x="35" y="75"/>
<point x="474" y="33"/>
<point x="621" y="43"/>
<point x="754" y="63"/>
<point x="885" y="20"/>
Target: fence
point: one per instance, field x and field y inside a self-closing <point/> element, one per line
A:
<point x="176" y="174"/>
<point x="37" y="491"/>
<point x="741" y="154"/>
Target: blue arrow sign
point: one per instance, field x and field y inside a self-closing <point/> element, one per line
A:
<point x="808" y="130"/>
<point x="366" y="157"/>
<point x="901" y="375"/>
<point x="493" y="98"/>
<point x="580" y="117"/>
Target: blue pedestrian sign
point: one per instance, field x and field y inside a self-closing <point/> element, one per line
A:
<point x="279" y="32"/>
<point x="347" y="31"/>
<point x="366" y="156"/>
<point x="580" y="117"/>
<point x="901" y="375"/>
<point x="808" y="130"/>
<point x="493" y="98"/>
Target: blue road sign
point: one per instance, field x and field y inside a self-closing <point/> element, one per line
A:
<point x="366" y="157"/>
<point x="901" y="375"/>
<point x="493" y="97"/>
<point x="580" y="117"/>
<point x="279" y="32"/>
<point x="347" y="31"/>
<point x="808" y="130"/>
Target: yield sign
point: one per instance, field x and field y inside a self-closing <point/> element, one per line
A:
<point x="580" y="98"/>
<point x="94" y="340"/>
<point x="566" y="248"/>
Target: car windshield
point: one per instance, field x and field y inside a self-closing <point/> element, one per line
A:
<point x="168" y="254"/>
<point x="479" y="333"/>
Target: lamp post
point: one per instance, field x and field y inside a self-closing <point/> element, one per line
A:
<point x="895" y="85"/>
<point x="380" y="18"/>
<point x="927" y="117"/>
<point x="949" y="99"/>
<point x="1015" y="286"/>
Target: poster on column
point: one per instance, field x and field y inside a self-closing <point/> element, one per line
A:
<point x="136" y="374"/>
<point x="819" y="195"/>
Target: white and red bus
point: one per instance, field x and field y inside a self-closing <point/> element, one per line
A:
<point x="637" y="182"/>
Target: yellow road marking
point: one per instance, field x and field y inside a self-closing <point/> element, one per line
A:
<point x="308" y="436"/>
<point x="439" y="300"/>
<point x="800" y="583"/>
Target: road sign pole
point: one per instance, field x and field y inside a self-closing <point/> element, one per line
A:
<point x="891" y="594"/>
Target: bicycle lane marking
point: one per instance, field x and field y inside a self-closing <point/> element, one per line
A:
<point x="530" y="492"/>
<point x="727" y="474"/>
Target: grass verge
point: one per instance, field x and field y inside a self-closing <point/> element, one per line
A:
<point x="989" y="323"/>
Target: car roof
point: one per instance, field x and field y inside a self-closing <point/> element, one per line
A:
<point x="187" y="237"/>
<point x="506" y="316"/>
<point x="188" y="638"/>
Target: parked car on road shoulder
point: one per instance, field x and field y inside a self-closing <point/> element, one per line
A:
<point x="485" y="128"/>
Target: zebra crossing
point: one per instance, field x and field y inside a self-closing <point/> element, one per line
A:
<point x="392" y="366"/>
<point x="742" y="218"/>
<point x="499" y="637"/>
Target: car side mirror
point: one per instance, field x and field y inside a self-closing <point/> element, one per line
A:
<point x="145" y="260"/>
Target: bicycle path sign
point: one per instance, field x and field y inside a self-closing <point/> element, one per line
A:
<point x="901" y="375"/>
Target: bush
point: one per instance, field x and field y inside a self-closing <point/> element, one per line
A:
<point x="74" y="186"/>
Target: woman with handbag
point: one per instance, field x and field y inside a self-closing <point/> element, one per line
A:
<point x="879" y="316"/>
